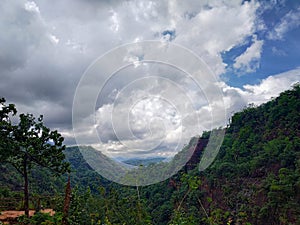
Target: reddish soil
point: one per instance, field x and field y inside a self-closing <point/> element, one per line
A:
<point x="11" y="215"/>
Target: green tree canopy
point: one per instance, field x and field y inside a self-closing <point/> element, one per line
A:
<point x="29" y="142"/>
<point x="6" y="111"/>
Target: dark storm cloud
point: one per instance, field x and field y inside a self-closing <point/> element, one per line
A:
<point x="20" y="32"/>
<point x="38" y="73"/>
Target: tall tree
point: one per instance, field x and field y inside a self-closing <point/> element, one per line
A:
<point x="6" y="111"/>
<point x="28" y="143"/>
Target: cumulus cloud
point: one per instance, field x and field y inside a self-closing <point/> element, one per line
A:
<point x="142" y="123"/>
<point x="148" y="113"/>
<point x="270" y="87"/>
<point x="45" y="47"/>
<point x="217" y="27"/>
<point x="249" y="60"/>
<point x="288" y="22"/>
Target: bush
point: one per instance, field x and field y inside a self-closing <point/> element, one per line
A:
<point x="41" y="219"/>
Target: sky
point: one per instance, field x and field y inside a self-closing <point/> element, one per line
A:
<point x="251" y="48"/>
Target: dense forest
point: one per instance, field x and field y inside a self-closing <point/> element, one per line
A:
<point x="255" y="179"/>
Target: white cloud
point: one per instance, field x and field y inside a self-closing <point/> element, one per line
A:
<point x="43" y="65"/>
<point x="217" y="29"/>
<point x="238" y="98"/>
<point x="115" y="21"/>
<point x="150" y="116"/>
<point x="271" y="86"/>
<point x="290" y="21"/>
<point x="249" y="60"/>
<point x="53" y="39"/>
<point x="32" y="7"/>
<point x="278" y="51"/>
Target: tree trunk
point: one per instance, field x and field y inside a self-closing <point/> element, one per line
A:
<point x="26" y="192"/>
<point x="67" y="202"/>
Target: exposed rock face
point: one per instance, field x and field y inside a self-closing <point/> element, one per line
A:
<point x="194" y="160"/>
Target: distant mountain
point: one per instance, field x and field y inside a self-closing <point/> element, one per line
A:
<point x="143" y="161"/>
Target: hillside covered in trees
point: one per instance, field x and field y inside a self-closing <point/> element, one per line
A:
<point x="255" y="179"/>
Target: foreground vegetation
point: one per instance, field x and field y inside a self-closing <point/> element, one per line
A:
<point x="255" y="179"/>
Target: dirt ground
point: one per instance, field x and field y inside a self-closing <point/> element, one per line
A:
<point x="11" y="215"/>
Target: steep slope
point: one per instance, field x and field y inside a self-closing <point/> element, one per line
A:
<point x="255" y="178"/>
<point x="257" y="173"/>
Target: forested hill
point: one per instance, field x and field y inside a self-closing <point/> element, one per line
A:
<point x="255" y="178"/>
